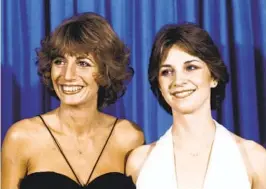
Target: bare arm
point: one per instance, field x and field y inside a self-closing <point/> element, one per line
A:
<point x="257" y="157"/>
<point x="136" y="160"/>
<point x="14" y="163"/>
<point x="130" y="137"/>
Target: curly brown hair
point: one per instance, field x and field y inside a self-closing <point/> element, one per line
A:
<point x="195" y="41"/>
<point x="88" y="34"/>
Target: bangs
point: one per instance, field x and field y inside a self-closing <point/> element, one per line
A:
<point x="72" y="39"/>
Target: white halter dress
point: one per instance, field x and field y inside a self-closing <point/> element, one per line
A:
<point x="226" y="168"/>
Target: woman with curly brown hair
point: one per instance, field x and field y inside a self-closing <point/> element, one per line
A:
<point x="85" y="65"/>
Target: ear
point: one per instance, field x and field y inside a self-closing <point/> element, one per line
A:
<point x="214" y="83"/>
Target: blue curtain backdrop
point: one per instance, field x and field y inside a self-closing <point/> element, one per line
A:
<point x="237" y="26"/>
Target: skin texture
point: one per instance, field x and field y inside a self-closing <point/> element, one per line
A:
<point x="185" y="83"/>
<point x="77" y="71"/>
<point x="78" y="126"/>
<point x="189" y="78"/>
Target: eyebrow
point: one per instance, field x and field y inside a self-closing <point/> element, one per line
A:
<point x="186" y="62"/>
<point x="165" y="66"/>
<point x="82" y="57"/>
<point x="86" y="57"/>
<point x="58" y="56"/>
<point x="193" y="60"/>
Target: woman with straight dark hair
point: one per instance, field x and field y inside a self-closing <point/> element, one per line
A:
<point x="188" y="77"/>
<point x="85" y="65"/>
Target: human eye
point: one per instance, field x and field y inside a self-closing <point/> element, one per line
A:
<point x="83" y="63"/>
<point x="58" y="61"/>
<point x="191" y="67"/>
<point x="166" y="72"/>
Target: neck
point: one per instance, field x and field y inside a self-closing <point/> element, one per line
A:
<point x="77" y="120"/>
<point x="194" y="127"/>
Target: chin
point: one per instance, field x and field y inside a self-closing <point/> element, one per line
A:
<point x="72" y="101"/>
<point x="184" y="111"/>
<point x="184" y="108"/>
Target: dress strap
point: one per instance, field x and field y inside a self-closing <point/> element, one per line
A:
<point x="102" y="151"/>
<point x="60" y="149"/>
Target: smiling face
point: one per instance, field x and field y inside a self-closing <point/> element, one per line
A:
<point x="185" y="81"/>
<point x="73" y="79"/>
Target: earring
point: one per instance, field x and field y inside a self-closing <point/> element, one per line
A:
<point x="215" y="83"/>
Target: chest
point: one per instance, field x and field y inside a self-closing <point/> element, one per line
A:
<point x="188" y="168"/>
<point x="83" y="160"/>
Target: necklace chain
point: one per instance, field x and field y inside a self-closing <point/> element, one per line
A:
<point x="196" y="154"/>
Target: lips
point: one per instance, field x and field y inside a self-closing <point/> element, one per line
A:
<point x="183" y="93"/>
<point x="71" y="89"/>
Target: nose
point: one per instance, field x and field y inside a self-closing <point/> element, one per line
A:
<point x="179" y="79"/>
<point x="70" y="71"/>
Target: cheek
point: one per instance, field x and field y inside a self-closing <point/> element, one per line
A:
<point x="93" y="80"/>
<point x="164" y="85"/>
<point x="54" y="73"/>
<point x="208" y="82"/>
<point x="99" y="79"/>
<point x="201" y="79"/>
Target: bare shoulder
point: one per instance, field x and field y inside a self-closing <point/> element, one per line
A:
<point x="23" y="132"/>
<point x="16" y="139"/>
<point x="254" y="151"/>
<point x="255" y="156"/>
<point x="137" y="159"/>
<point x="19" y="131"/>
<point x="129" y="134"/>
<point x="16" y="152"/>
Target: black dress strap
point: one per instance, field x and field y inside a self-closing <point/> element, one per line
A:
<point x="61" y="151"/>
<point x="101" y="151"/>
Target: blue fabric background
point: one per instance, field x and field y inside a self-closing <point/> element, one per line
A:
<point x="237" y="26"/>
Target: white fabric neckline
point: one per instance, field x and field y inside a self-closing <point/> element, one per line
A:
<point x="226" y="167"/>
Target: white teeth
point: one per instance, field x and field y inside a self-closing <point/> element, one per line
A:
<point x="183" y="94"/>
<point x="71" y="89"/>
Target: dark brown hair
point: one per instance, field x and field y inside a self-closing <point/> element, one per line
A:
<point x="196" y="42"/>
<point x="89" y="34"/>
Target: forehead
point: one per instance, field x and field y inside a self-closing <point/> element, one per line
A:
<point x="178" y="56"/>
